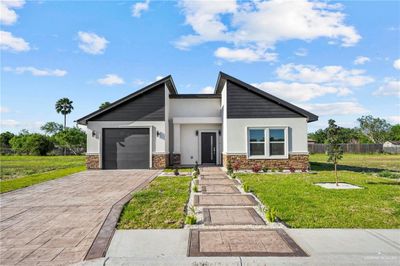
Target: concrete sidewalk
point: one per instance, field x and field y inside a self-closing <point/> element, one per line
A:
<point x="324" y="247"/>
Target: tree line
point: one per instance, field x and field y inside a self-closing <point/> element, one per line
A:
<point x="56" y="136"/>
<point x="370" y="130"/>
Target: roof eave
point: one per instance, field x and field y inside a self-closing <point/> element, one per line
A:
<point x="167" y="79"/>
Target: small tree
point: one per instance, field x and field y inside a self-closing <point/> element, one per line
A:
<point x="73" y="139"/>
<point x="104" y="105"/>
<point x="51" y="128"/>
<point x="64" y="106"/>
<point x="335" y="151"/>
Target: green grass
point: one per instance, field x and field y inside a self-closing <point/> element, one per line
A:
<point x="18" y="166"/>
<point x="160" y="206"/>
<point x="301" y="204"/>
<point x="358" y="162"/>
<point x="23" y="171"/>
<point x="171" y="170"/>
<point x="26" y="181"/>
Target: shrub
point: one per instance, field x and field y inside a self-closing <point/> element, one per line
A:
<point x="195" y="175"/>
<point x="229" y="169"/>
<point x="176" y="171"/>
<point x="388" y="174"/>
<point x="233" y="176"/>
<point x="292" y="169"/>
<point x="196" y="167"/>
<point x="31" y="144"/>
<point x="256" y="168"/>
<point x="195" y="188"/>
<point x="304" y="170"/>
<point x="191" y="219"/>
<point x="280" y="170"/>
<point x="265" y="169"/>
<point x="236" y="166"/>
<point x="271" y="215"/>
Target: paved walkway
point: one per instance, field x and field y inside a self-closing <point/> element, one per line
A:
<point x="230" y="224"/>
<point x="56" y="222"/>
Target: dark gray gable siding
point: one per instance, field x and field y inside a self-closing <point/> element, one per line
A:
<point x="242" y="103"/>
<point x="149" y="106"/>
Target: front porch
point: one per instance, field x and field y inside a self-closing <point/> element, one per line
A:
<point x="196" y="139"/>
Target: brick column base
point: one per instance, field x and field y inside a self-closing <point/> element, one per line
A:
<point x="92" y="161"/>
<point x="160" y="161"/>
<point x="176" y="159"/>
<point x="297" y="161"/>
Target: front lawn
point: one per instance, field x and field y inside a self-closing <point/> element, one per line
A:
<point x="181" y="170"/>
<point x="160" y="206"/>
<point x="15" y="166"/>
<point x="359" y="162"/>
<point x="301" y="204"/>
<point x="23" y="171"/>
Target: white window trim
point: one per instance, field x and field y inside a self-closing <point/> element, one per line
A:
<point x="266" y="143"/>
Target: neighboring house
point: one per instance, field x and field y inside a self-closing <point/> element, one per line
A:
<point x="156" y="127"/>
<point x="391" y="147"/>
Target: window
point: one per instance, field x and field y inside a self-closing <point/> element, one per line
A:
<point x="257" y="142"/>
<point x="276" y="142"/>
<point x="267" y="142"/>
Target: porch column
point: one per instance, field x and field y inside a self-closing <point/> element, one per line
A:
<point x="176" y="159"/>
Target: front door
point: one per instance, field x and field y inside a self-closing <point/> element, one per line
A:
<point x="208" y="147"/>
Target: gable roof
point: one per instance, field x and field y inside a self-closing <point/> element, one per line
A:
<point x="168" y="80"/>
<point x="222" y="78"/>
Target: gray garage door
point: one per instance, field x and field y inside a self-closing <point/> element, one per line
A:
<point x="126" y="148"/>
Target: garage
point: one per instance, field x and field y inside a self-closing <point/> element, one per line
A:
<point x="126" y="148"/>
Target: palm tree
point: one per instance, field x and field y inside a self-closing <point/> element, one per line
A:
<point x="64" y="106"/>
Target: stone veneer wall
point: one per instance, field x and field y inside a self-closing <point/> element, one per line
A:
<point x="297" y="161"/>
<point x="92" y="161"/>
<point x="176" y="159"/>
<point x="160" y="160"/>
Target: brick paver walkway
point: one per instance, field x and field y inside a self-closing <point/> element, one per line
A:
<point x="56" y="222"/>
<point x="229" y="217"/>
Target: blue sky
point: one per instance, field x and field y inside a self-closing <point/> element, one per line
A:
<point x="336" y="59"/>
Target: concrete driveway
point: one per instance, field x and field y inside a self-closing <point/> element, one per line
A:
<point x="56" y="222"/>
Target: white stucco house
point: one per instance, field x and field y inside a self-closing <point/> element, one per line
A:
<point x="156" y="127"/>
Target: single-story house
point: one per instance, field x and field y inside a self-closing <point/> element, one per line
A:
<point x="156" y="127"/>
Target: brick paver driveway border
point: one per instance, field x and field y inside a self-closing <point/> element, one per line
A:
<point x="100" y="244"/>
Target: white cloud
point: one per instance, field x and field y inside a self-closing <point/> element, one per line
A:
<point x="140" y="7"/>
<point x="396" y="64"/>
<point x="4" y="109"/>
<point x="7" y="14"/>
<point x="301" y="52"/>
<point x="11" y="43"/>
<point x="389" y="88"/>
<point x="245" y="54"/>
<point x="299" y="91"/>
<point x="326" y="74"/>
<point x="394" y="119"/>
<point x="37" y="72"/>
<point x="259" y="25"/>
<point x="361" y="60"/>
<point x="110" y="80"/>
<point x="92" y="43"/>
<point x="9" y="123"/>
<point x="207" y="90"/>
<point x="337" y="108"/>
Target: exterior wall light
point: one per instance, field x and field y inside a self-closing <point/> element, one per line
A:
<point x="197" y="132"/>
